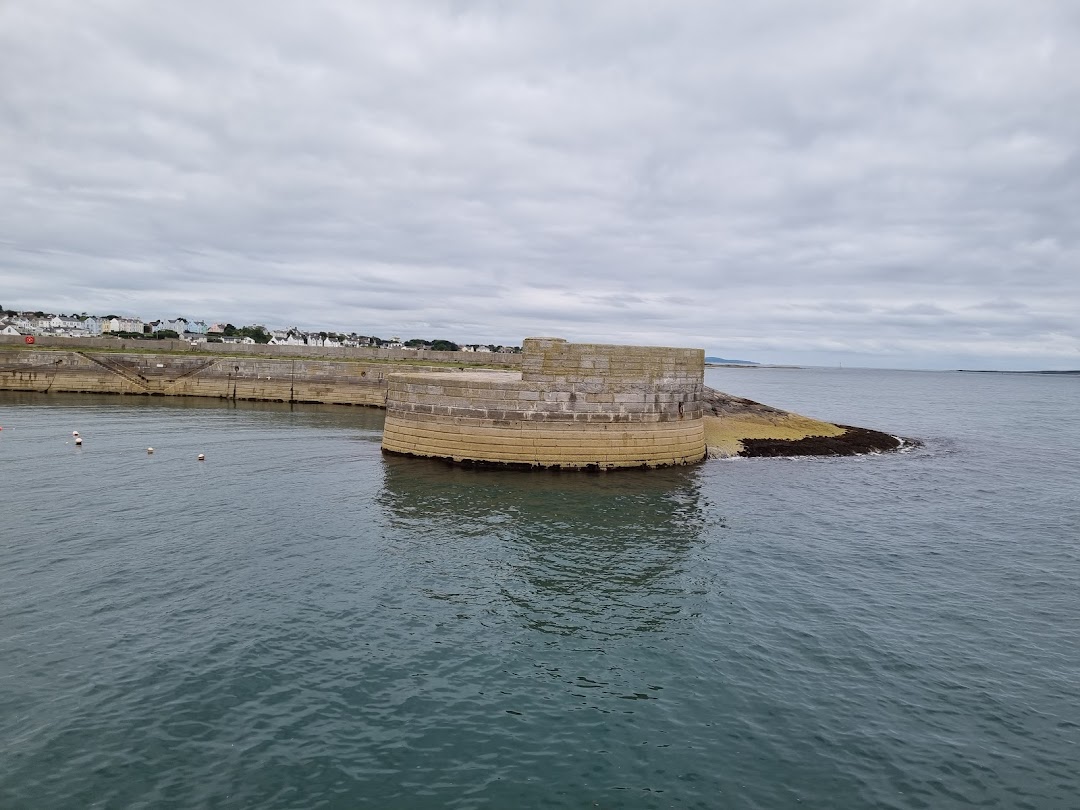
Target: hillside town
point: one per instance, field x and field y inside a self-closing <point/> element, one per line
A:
<point x="45" y="324"/>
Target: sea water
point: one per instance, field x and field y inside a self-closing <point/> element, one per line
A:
<point x="301" y="622"/>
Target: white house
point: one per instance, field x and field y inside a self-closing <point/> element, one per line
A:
<point x="287" y="337"/>
<point x="315" y="339"/>
<point x="64" y="322"/>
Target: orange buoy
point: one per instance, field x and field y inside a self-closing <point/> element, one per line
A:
<point x="29" y="338"/>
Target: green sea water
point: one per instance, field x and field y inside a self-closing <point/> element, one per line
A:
<point x="301" y="622"/>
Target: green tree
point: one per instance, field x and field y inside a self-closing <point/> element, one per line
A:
<point x="445" y="346"/>
<point x="256" y="333"/>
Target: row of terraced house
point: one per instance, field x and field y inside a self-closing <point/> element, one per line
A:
<point x="80" y="326"/>
<point x="76" y="326"/>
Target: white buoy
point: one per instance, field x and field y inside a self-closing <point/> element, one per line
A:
<point x="74" y="433"/>
<point x="202" y="457"/>
<point x="149" y="451"/>
<point x="78" y="441"/>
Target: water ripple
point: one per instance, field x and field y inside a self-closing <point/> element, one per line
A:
<point x="300" y="622"/>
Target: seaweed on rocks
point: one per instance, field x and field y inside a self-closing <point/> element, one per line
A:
<point x="853" y="441"/>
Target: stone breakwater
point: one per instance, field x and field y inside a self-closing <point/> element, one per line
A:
<point x="249" y="378"/>
<point x="345" y="353"/>
<point x="572" y="406"/>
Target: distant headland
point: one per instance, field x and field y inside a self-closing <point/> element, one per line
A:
<point x="723" y="361"/>
<point x="997" y="371"/>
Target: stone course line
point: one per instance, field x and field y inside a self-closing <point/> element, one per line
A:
<point x="573" y="406"/>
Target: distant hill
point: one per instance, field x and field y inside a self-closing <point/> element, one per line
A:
<point x="734" y="362"/>
<point x="995" y="371"/>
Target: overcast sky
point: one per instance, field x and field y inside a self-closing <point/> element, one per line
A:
<point x="891" y="184"/>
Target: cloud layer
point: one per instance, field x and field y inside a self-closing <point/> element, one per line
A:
<point x="888" y="184"/>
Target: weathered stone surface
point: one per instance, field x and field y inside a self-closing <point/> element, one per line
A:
<point x="573" y="406"/>
<point x="195" y="376"/>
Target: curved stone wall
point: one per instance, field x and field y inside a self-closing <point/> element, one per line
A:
<point x="572" y="406"/>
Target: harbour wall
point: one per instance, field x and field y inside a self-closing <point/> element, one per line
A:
<point x="493" y="359"/>
<point x="271" y="379"/>
<point x="572" y="406"/>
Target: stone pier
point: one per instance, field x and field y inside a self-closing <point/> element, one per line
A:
<point x="572" y="406"/>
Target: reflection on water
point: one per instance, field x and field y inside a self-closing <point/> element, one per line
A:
<point x="130" y="405"/>
<point x="590" y="555"/>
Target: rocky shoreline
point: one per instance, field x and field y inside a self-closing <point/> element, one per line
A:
<point x="738" y="427"/>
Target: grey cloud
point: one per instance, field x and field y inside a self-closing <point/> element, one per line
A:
<point x="879" y="181"/>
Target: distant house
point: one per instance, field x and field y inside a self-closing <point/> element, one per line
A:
<point x="122" y="325"/>
<point x="30" y="324"/>
<point x="64" y="322"/>
<point x="197" y="328"/>
<point x="9" y="330"/>
<point x="316" y="339"/>
<point x="287" y="337"/>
